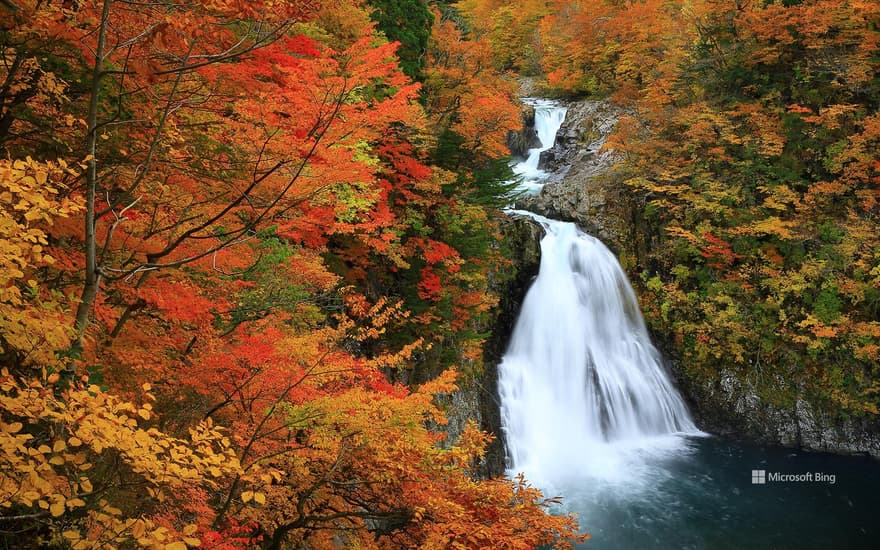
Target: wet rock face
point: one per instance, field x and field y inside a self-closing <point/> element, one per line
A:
<point x="477" y="399"/>
<point x="520" y="141"/>
<point x="580" y="187"/>
<point x="586" y="127"/>
<point x="732" y="406"/>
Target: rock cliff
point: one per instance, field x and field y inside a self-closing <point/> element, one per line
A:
<point x="580" y="187"/>
<point x="477" y="398"/>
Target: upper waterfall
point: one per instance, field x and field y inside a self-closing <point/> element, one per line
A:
<point x="549" y="116"/>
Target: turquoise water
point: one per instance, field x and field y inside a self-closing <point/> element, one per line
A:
<point x="705" y="498"/>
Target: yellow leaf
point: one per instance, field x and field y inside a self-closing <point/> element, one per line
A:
<point x="74" y="442"/>
<point x="143" y="413"/>
<point x="175" y="546"/>
<point x="71" y="535"/>
<point x="137" y="530"/>
<point x="56" y="509"/>
<point x="59" y="446"/>
<point x="12" y="428"/>
<point x="146" y="387"/>
<point x="160" y="534"/>
<point x="259" y="498"/>
<point x="247" y="496"/>
<point x="192" y="541"/>
<point x="190" y="529"/>
<point x="86" y="485"/>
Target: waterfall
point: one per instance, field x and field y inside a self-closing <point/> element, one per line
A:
<point x="583" y="391"/>
<point x="589" y="413"/>
<point x="548" y="119"/>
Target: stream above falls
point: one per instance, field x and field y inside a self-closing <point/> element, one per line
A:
<point x="589" y="413"/>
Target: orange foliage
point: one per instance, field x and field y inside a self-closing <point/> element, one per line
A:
<point x="244" y="205"/>
<point x="465" y="94"/>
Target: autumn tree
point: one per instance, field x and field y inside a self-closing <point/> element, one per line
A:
<point x="408" y="23"/>
<point x="746" y="120"/>
<point x="188" y="196"/>
<point x="511" y="29"/>
<point x="464" y="95"/>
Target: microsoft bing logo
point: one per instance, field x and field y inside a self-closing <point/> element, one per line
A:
<point x="759" y="477"/>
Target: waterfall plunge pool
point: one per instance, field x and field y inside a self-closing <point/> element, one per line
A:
<point x="704" y="496"/>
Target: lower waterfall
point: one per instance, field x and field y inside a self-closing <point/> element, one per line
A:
<point x="581" y="382"/>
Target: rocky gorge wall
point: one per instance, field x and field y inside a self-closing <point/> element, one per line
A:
<point x="583" y="188"/>
<point x="477" y="397"/>
<point x="731" y="405"/>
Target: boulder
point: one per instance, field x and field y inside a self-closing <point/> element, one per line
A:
<point x="520" y="141"/>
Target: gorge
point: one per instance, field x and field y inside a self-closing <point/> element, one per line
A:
<point x="589" y="412"/>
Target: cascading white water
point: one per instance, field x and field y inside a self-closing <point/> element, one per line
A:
<point x="583" y="391"/>
<point x="548" y="118"/>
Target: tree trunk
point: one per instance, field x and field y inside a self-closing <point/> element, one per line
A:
<point x="92" y="283"/>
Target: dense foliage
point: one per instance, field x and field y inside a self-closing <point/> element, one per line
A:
<point x="409" y="24"/>
<point x="223" y="236"/>
<point x="751" y="141"/>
